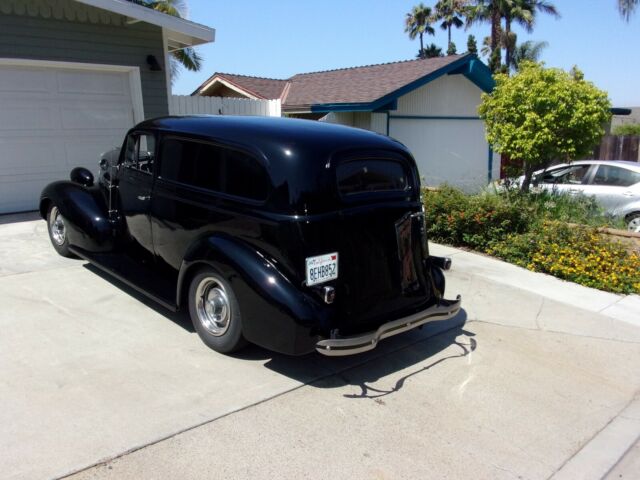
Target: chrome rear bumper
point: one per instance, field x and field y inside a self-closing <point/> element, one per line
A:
<point x="335" y="347"/>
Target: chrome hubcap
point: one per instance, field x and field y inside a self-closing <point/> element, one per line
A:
<point x="56" y="225"/>
<point x="212" y="305"/>
<point x="634" y="225"/>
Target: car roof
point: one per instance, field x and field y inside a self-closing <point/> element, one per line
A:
<point x="635" y="166"/>
<point x="287" y="138"/>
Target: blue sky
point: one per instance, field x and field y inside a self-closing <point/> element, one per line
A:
<point x="279" y="38"/>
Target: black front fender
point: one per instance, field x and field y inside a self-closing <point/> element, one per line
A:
<point x="276" y="314"/>
<point x="85" y="214"/>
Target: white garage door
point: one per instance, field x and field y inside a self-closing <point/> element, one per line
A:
<point x="53" y="119"/>
<point x="446" y="151"/>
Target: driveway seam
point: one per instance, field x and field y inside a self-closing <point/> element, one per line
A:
<point x="557" y="332"/>
<point x="337" y="373"/>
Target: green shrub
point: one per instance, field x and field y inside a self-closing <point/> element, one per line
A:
<point x="543" y="232"/>
<point x="476" y="221"/>
<point x="627" y="129"/>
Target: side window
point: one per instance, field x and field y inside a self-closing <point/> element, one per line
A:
<point x="214" y="168"/>
<point x="140" y="152"/>
<point x="615" y="176"/>
<point x="572" y="175"/>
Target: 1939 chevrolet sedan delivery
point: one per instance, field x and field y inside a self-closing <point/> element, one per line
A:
<point x="291" y="234"/>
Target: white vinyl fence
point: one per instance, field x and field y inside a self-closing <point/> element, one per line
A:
<point x="188" y="105"/>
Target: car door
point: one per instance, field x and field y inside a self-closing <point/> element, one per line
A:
<point x="135" y="186"/>
<point x="567" y="179"/>
<point x="612" y="187"/>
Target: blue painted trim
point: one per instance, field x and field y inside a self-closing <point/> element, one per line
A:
<point x="490" y="165"/>
<point x="469" y="66"/>
<point x="478" y="73"/>
<point x="434" y="117"/>
<point x="342" y="107"/>
<point x="393" y="105"/>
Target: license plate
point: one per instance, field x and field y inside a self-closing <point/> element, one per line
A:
<point x="321" y="268"/>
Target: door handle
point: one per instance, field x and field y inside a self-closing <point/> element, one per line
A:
<point x="628" y="193"/>
<point x="144" y="197"/>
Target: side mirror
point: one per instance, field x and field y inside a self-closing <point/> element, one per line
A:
<point x="82" y="176"/>
<point x="104" y="164"/>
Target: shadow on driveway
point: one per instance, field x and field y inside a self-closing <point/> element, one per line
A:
<point x="399" y="352"/>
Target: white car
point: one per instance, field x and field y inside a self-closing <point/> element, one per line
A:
<point x="614" y="184"/>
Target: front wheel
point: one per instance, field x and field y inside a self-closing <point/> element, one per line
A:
<point x="215" y="312"/>
<point x="633" y="222"/>
<point x="58" y="231"/>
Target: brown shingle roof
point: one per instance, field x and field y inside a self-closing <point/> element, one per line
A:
<point x="267" y="88"/>
<point x="347" y="85"/>
<point x="360" y="84"/>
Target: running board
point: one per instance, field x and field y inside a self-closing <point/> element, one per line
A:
<point x="144" y="280"/>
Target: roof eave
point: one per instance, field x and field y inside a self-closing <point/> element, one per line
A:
<point x="181" y="33"/>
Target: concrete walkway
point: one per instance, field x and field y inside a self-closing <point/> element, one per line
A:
<point x="536" y="378"/>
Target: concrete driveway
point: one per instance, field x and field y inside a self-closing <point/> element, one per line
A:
<point x="536" y="378"/>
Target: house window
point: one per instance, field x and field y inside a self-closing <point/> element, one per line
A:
<point x="214" y="168"/>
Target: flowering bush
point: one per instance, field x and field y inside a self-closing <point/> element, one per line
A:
<point x="575" y="253"/>
<point x="532" y="231"/>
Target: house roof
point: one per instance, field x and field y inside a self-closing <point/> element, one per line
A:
<point x="258" y="87"/>
<point x="364" y="88"/>
<point x="180" y="33"/>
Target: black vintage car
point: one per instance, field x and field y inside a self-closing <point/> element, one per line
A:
<point x="291" y="234"/>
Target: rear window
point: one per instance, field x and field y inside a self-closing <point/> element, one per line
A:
<point x="214" y="168"/>
<point x="372" y="175"/>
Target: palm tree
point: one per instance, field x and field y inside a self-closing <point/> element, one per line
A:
<point x="627" y="7"/>
<point x="450" y="12"/>
<point x="417" y="23"/>
<point x="431" y="51"/>
<point x="529" y="51"/>
<point x="186" y="57"/>
<point x="481" y="11"/>
<point x="523" y="12"/>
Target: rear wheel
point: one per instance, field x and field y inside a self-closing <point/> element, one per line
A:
<point x="633" y="222"/>
<point x="215" y="312"/>
<point x="58" y="231"/>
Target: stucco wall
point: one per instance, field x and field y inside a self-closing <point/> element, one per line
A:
<point x="63" y="30"/>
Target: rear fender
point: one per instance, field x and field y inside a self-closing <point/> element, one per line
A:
<point x="275" y="313"/>
<point x="85" y="213"/>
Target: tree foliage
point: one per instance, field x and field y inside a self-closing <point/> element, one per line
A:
<point x="627" y="7"/>
<point x="472" y="46"/>
<point x="541" y="115"/>
<point x="418" y="23"/>
<point x="627" y="129"/>
<point x="529" y="51"/>
<point x="430" y="51"/>
<point x="450" y="13"/>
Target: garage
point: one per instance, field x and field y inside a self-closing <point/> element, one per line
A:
<point x="450" y="151"/>
<point x="75" y="75"/>
<point x="54" y="117"/>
